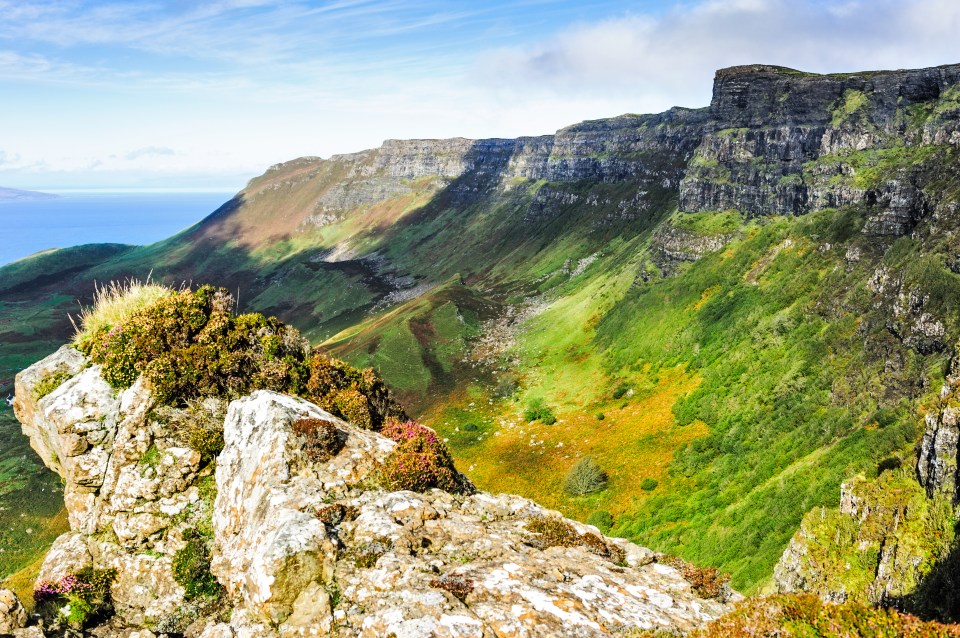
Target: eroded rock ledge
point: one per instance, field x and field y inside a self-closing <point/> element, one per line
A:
<point x="303" y="547"/>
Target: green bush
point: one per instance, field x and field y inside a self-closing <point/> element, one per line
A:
<point x="584" y="478"/>
<point x="538" y="410"/>
<point x="601" y="416"/>
<point x="602" y="520"/>
<point x="191" y="567"/>
<point x="649" y="484"/>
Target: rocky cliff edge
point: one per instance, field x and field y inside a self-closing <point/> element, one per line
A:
<point x="273" y="539"/>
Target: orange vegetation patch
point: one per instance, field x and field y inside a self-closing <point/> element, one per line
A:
<point x="631" y="443"/>
<point x="705" y="297"/>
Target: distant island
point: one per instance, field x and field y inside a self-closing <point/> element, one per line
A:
<point x="15" y="195"/>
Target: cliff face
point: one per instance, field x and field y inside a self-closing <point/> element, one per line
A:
<point x="786" y="143"/>
<point x="305" y="547"/>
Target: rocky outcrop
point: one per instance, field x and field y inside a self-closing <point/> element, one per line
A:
<point x="306" y="546"/>
<point x="888" y="533"/>
<point x="937" y="461"/>
<point x="785" y="142"/>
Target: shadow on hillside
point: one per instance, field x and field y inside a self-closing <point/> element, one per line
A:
<point x="938" y="595"/>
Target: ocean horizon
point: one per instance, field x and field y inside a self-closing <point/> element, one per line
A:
<point x="136" y="217"/>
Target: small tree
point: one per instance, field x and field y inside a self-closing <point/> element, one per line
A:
<point x="585" y="477"/>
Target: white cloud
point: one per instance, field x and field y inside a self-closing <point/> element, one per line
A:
<point x="673" y="56"/>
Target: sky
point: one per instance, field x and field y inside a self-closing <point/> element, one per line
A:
<point x="194" y="94"/>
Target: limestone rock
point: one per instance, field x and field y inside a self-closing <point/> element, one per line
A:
<point x="305" y="547"/>
<point x="13" y="616"/>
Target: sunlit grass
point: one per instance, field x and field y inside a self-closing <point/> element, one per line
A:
<point x="115" y="302"/>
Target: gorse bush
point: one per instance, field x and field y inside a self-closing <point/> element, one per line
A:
<point x="420" y="461"/>
<point x="649" y="484"/>
<point x="584" y="478"/>
<point x="189" y="345"/>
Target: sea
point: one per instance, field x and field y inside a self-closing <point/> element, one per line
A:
<point x="74" y="218"/>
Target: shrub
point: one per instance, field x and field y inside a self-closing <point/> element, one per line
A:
<point x="706" y="581"/>
<point x="199" y="425"/>
<point x="806" y="615"/>
<point x="602" y="520"/>
<point x="189" y="345"/>
<point x="78" y="599"/>
<point x="459" y="586"/>
<point x="601" y="416"/>
<point x="366" y="556"/>
<point x="584" y="478"/>
<point x="337" y="513"/>
<point x="649" y="484"/>
<point x="620" y="390"/>
<point x="191" y="567"/>
<point x="537" y="410"/>
<point x="322" y="439"/>
<point x="48" y="384"/>
<point x="420" y="461"/>
<point x="556" y="532"/>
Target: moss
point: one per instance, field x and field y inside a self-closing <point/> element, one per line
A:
<point x="851" y="102"/>
<point x="49" y="383"/>
<point x="191" y="567"/>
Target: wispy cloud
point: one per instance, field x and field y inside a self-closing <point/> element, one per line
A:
<point x="150" y="151"/>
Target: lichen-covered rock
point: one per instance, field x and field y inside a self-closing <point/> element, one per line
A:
<point x="304" y="544"/>
<point x="13" y="616"/>
<point x="305" y="547"/>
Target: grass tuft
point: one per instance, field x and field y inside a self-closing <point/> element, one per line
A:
<point x="114" y="303"/>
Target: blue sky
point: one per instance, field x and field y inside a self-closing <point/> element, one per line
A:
<point x="205" y="95"/>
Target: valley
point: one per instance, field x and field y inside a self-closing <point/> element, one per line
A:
<point x="733" y="310"/>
